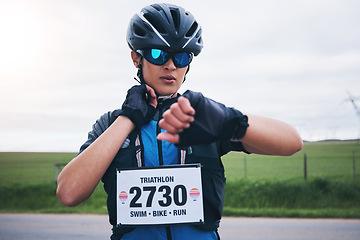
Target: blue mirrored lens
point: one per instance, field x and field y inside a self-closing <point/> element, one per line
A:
<point x="182" y="59"/>
<point x="155" y="53"/>
<point x="156" y="56"/>
<point x="160" y="57"/>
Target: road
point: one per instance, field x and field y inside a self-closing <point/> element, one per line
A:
<point x="89" y="226"/>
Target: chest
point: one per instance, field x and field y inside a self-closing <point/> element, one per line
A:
<point x="157" y="153"/>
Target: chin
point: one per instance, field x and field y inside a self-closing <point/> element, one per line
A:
<point x="166" y="93"/>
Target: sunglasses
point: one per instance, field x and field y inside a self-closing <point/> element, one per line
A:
<point x="160" y="57"/>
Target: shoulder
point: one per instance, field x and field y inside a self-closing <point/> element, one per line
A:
<point x="105" y="121"/>
<point x="101" y="124"/>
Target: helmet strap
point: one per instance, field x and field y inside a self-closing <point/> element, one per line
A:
<point x="139" y="76"/>
<point x="186" y="73"/>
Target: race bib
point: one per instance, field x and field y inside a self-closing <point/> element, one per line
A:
<point x="160" y="195"/>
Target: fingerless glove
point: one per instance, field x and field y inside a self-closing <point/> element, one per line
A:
<point x="136" y="106"/>
<point x="213" y="121"/>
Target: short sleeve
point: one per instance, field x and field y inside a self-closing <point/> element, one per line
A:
<point x="97" y="129"/>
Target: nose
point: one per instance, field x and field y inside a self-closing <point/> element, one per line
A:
<point x="169" y="65"/>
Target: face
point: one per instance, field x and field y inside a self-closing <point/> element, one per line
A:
<point x="165" y="79"/>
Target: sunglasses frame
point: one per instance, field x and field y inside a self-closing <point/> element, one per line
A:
<point x="146" y="53"/>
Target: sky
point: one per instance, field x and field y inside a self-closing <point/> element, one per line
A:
<point x="64" y="63"/>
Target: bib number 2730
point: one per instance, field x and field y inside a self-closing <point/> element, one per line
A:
<point x="178" y="195"/>
<point x="163" y="195"/>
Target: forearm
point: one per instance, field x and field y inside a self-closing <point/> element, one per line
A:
<point x="80" y="177"/>
<point x="271" y="137"/>
<point x="262" y="136"/>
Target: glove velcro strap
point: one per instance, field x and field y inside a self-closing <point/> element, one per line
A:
<point x="235" y="126"/>
<point x="134" y="115"/>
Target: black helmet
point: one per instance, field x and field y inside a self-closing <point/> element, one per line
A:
<point x="165" y="26"/>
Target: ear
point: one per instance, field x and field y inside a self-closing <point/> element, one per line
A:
<point x="135" y="58"/>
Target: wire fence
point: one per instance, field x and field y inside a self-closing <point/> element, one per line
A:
<point x="304" y="165"/>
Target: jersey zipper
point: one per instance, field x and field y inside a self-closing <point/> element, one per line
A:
<point x="168" y="233"/>
<point x="158" y="130"/>
<point x="161" y="160"/>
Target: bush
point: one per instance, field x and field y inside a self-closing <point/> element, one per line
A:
<point x="319" y="193"/>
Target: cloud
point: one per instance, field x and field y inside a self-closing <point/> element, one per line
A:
<point x="290" y="60"/>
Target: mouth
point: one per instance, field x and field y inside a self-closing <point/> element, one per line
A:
<point x="168" y="78"/>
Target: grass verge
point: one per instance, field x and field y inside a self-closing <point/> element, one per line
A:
<point x="315" y="199"/>
<point x="292" y="213"/>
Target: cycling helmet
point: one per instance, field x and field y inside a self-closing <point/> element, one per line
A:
<point x="165" y="26"/>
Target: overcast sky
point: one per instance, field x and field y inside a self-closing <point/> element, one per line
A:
<point x="64" y="63"/>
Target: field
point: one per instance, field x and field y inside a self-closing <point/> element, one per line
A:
<point x="327" y="159"/>
<point x="256" y="185"/>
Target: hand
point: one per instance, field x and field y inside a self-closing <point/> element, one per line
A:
<point x="140" y="104"/>
<point x="213" y="121"/>
<point x="176" y="119"/>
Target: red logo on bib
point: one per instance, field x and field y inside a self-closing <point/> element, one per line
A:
<point x="123" y="196"/>
<point x="194" y="193"/>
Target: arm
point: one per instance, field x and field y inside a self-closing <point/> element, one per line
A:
<point x="271" y="137"/>
<point x="80" y="177"/>
<point x="263" y="136"/>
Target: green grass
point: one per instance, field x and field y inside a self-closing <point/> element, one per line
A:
<point x="41" y="198"/>
<point x="271" y="186"/>
<point x="30" y="168"/>
<point x="320" y="193"/>
<point x="328" y="159"/>
<point x="292" y="213"/>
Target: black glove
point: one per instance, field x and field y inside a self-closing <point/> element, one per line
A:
<point x="136" y="106"/>
<point x="213" y="121"/>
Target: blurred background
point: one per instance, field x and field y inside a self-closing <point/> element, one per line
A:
<point x="65" y="63"/>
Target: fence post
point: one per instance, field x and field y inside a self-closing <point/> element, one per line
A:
<point x="56" y="172"/>
<point x="354" y="167"/>
<point x="57" y="167"/>
<point x="245" y="166"/>
<point x="305" y="166"/>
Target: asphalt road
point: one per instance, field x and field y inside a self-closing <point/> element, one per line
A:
<point x="88" y="226"/>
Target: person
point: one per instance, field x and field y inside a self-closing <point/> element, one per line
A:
<point x="157" y="126"/>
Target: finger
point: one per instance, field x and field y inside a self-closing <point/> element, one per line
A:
<point x="151" y="91"/>
<point x="152" y="96"/>
<point x="169" y="127"/>
<point x="173" y="138"/>
<point x="178" y="112"/>
<point x="186" y="106"/>
<point x="177" y="121"/>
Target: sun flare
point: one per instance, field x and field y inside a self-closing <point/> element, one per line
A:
<point x="21" y="37"/>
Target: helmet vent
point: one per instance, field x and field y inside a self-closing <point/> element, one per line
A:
<point x="155" y="23"/>
<point x="156" y="6"/>
<point x="139" y="31"/>
<point x="192" y="29"/>
<point x="176" y="19"/>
